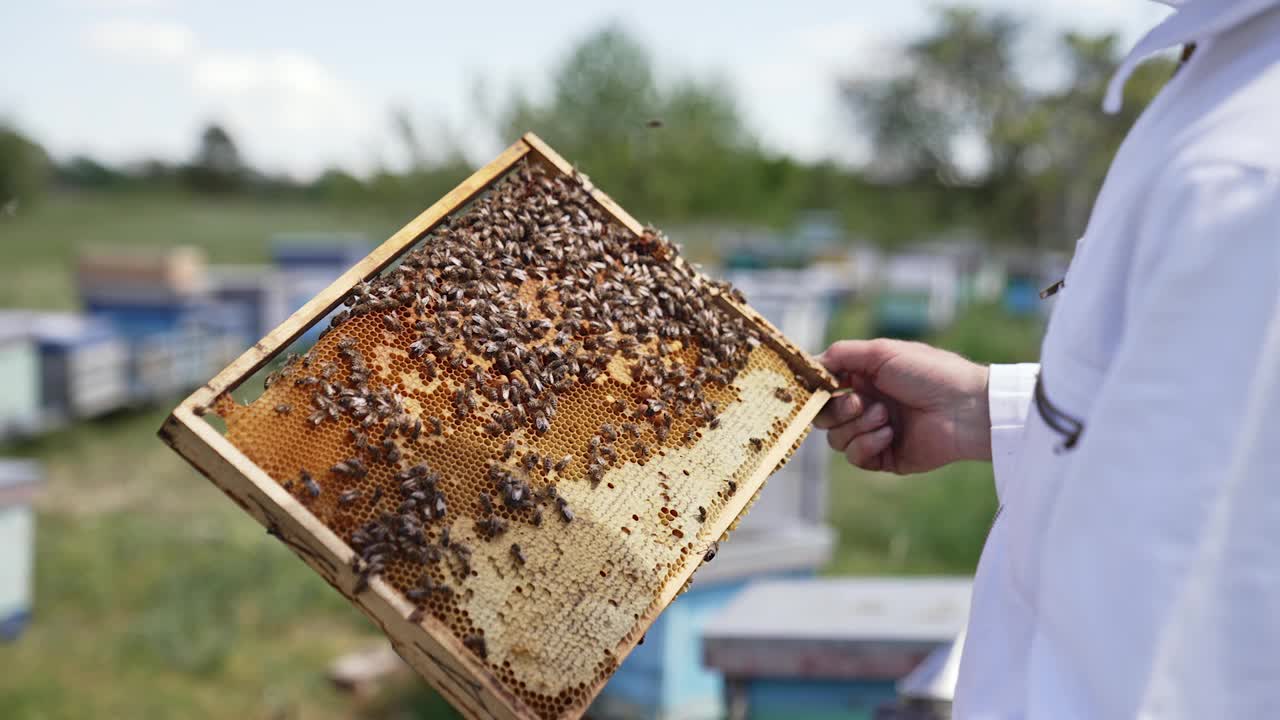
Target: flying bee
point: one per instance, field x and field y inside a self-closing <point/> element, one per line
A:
<point x="563" y="463"/>
<point x="517" y="553"/>
<point x="392" y="323"/>
<point x="284" y="408"/>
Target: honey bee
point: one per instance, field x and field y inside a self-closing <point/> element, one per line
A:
<point x="711" y="552"/>
<point x="631" y="429"/>
<point x="491" y="527"/>
<point x="702" y="514"/>
<point x="377" y="496"/>
<point x="565" y="512"/>
<point x="641" y="449"/>
<point x="608" y="432"/>
<point x="284" y="408"/>
<point x="714" y="423"/>
<point x="517" y="553"/>
<point x="351" y="467"/>
<point x="508" y="449"/>
<point x="476" y="644"/>
<point x="536" y="519"/>
<point x="756" y="443"/>
<point x="348" y="497"/>
<point x="563" y="463"/>
<point x="783" y="394"/>
<point x="595" y="473"/>
<point x="392" y="323"/>
<point x="437" y="427"/>
<point x="313" y="488"/>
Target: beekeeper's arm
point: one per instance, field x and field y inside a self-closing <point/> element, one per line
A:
<point x="1142" y="500"/>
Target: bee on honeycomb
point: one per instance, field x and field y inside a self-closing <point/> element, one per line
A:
<point x="485" y="409"/>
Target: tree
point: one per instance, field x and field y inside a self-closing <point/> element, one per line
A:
<point x="25" y="169"/>
<point x="217" y="166"/>
<point x="671" y="150"/>
<point x="1046" y="152"/>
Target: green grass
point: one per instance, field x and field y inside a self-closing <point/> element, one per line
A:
<point x="40" y="243"/>
<point x="935" y="522"/>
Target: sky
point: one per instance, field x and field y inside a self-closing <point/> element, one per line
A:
<point x="303" y="86"/>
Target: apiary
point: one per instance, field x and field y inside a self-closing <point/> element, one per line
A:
<point x="525" y="427"/>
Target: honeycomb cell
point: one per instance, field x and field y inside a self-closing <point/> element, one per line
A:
<point x="530" y="375"/>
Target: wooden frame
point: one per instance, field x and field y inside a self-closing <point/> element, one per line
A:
<point x="429" y="647"/>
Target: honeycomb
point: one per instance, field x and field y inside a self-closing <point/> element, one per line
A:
<point x="528" y="428"/>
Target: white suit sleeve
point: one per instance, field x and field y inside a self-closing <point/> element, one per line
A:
<point x="1009" y="391"/>
<point x="1155" y="461"/>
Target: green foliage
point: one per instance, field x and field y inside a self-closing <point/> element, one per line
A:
<point x="1046" y="152"/>
<point x="24" y="169"/>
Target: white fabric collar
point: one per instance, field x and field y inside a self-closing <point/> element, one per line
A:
<point x="1193" y="21"/>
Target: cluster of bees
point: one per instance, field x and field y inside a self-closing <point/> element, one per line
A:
<point x="527" y="295"/>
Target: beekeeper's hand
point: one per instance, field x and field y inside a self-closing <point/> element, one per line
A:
<point x="912" y="407"/>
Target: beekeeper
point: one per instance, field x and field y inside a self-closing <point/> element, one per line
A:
<point x="1134" y="568"/>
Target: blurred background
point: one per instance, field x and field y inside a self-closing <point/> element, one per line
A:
<point x="176" y="178"/>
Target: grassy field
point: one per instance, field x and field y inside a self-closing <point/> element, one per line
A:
<point x="157" y="598"/>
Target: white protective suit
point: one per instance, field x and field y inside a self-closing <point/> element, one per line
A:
<point x="1134" y="570"/>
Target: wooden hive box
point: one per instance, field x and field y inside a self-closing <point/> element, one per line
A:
<point x="512" y="585"/>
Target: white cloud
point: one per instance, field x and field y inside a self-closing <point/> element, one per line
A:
<point x="146" y="40"/>
<point x="291" y="102"/>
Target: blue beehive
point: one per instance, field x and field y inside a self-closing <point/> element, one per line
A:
<point x="256" y="298"/>
<point x="84" y="366"/>
<point x="19" y="482"/>
<point x="20" y="373"/>
<point x="309" y="263"/>
<point x="835" y="647"/>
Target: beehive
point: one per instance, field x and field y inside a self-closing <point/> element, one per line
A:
<point x="513" y="448"/>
